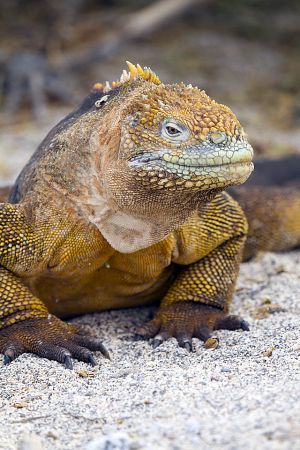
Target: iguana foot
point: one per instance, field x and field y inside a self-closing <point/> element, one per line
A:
<point x="186" y="320"/>
<point x="49" y="338"/>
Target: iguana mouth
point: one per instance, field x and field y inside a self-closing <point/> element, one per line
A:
<point x="191" y="160"/>
<point x="194" y="168"/>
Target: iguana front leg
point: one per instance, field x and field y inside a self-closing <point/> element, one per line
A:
<point x="25" y="323"/>
<point x="198" y="301"/>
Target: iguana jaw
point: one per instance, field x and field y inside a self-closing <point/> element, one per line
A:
<point x="199" y="167"/>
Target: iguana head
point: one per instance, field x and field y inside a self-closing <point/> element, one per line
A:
<point x="137" y="158"/>
<point x="174" y="142"/>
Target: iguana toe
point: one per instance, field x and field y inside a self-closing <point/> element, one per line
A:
<point x="232" y="322"/>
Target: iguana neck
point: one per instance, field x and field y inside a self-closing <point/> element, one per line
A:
<point x="126" y="232"/>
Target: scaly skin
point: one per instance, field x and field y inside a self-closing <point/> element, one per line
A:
<point x="122" y="205"/>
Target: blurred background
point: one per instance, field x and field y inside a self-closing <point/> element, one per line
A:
<point x="244" y="53"/>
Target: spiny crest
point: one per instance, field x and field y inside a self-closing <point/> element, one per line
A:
<point x="145" y="73"/>
<point x="135" y="71"/>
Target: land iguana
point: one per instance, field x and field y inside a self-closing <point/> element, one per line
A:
<point x="123" y="204"/>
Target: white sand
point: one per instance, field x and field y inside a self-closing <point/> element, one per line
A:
<point x="243" y="395"/>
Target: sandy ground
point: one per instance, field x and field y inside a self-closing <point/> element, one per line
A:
<point x="243" y="395"/>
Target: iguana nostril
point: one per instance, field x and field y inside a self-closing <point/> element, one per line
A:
<point x="218" y="137"/>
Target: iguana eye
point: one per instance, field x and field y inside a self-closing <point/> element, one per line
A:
<point x="174" y="131"/>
